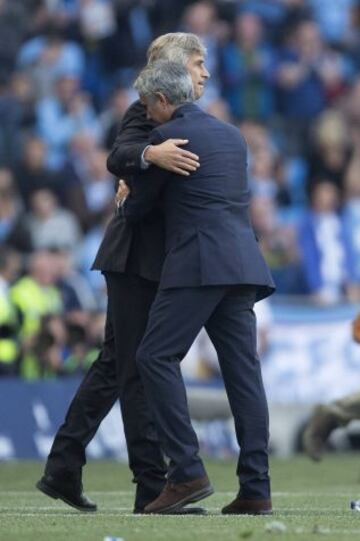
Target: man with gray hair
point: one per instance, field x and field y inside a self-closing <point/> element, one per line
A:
<point x="212" y="275"/>
<point x="130" y="257"/>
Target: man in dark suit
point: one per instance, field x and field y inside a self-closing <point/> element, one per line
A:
<point x="212" y="275"/>
<point x="130" y="258"/>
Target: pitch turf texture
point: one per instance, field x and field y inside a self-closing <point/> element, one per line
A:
<point x="310" y="500"/>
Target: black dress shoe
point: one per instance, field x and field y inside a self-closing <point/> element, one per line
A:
<point x="181" y="511"/>
<point x="69" y="493"/>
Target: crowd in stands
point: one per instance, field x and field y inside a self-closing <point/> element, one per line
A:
<point x="286" y="72"/>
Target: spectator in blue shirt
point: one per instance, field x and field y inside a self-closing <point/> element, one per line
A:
<point x="247" y="70"/>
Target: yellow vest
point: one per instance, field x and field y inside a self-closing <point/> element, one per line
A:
<point x="9" y="347"/>
<point x="34" y="301"/>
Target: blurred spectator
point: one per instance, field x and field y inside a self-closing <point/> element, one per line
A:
<point x="278" y="244"/>
<point x="334" y="19"/>
<point x="248" y="70"/>
<point x="50" y="225"/>
<point x="351" y="212"/>
<point x="309" y="76"/>
<point x="330" y="154"/>
<point x="325" y="250"/>
<point x="89" y="248"/>
<point x="49" y="348"/>
<point x="49" y="56"/>
<point x="9" y="316"/>
<point x="35" y="294"/>
<point x="13" y="230"/>
<point x="10" y="124"/>
<point x="111" y="118"/>
<point x="32" y="172"/>
<point x="124" y="50"/>
<point x="75" y="290"/>
<point x="90" y="195"/>
<point x="12" y="31"/>
<point x="201" y="19"/>
<point x="62" y="115"/>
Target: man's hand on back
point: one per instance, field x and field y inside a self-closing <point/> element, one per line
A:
<point x="122" y="193"/>
<point x="169" y="156"/>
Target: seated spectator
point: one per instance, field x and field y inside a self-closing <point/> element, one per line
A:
<point x="13" y="26"/>
<point x="87" y="254"/>
<point x="310" y="76"/>
<point x="49" y="348"/>
<point x="331" y="151"/>
<point x="325" y="251"/>
<point x="10" y="124"/>
<point x="75" y="291"/>
<point x="10" y="349"/>
<point x="51" y="226"/>
<point x="111" y="118"/>
<point x="13" y="229"/>
<point x="247" y="70"/>
<point x="32" y="172"/>
<point x="48" y="56"/>
<point x="99" y="185"/>
<point x="35" y="294"/>
<point x="62" y="115"/>
<point x="334" y="19"/>
<point x="278" y="245"/>
<point x="351" y="214"/>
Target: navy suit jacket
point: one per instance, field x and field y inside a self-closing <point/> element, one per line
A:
<point x="209" y="237"/>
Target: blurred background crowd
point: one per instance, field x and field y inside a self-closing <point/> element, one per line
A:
<point x="287" y="72"/>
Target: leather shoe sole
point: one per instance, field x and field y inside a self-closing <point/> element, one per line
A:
<point x="53" y="493"/>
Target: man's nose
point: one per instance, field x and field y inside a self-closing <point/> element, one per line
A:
<point x="206" y="74"/>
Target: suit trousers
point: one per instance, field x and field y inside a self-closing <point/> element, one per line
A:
<point x="114" y="375"/>
<point x="176" y="318"/>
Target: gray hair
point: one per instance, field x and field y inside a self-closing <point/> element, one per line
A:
<point x="175" y="47"/>
<point x="169" y="78"/>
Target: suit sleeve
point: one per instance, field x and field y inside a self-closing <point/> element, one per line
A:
<point x="145" y="195"/>
<point x="132" y="139"/>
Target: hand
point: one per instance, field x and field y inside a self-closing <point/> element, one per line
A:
<point x="169" y="156"/>
<point x="122" y="192"/>
<point x="356" y="329"/>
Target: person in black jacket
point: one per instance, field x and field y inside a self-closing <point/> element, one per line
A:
<point x="130" y="258"/>
<point x="212" y="275"/>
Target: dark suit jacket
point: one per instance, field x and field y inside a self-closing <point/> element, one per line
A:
<point x="209" y="238"/>
<point x="137" y="248"/>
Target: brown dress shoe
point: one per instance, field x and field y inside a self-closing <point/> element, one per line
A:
<point x="175" y="495"/>
<point x="241" y="506"/>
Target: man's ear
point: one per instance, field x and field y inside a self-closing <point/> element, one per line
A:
<point x="162" y="99"/>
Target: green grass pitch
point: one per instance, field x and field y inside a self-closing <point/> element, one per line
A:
<point x="310" y="500"/>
